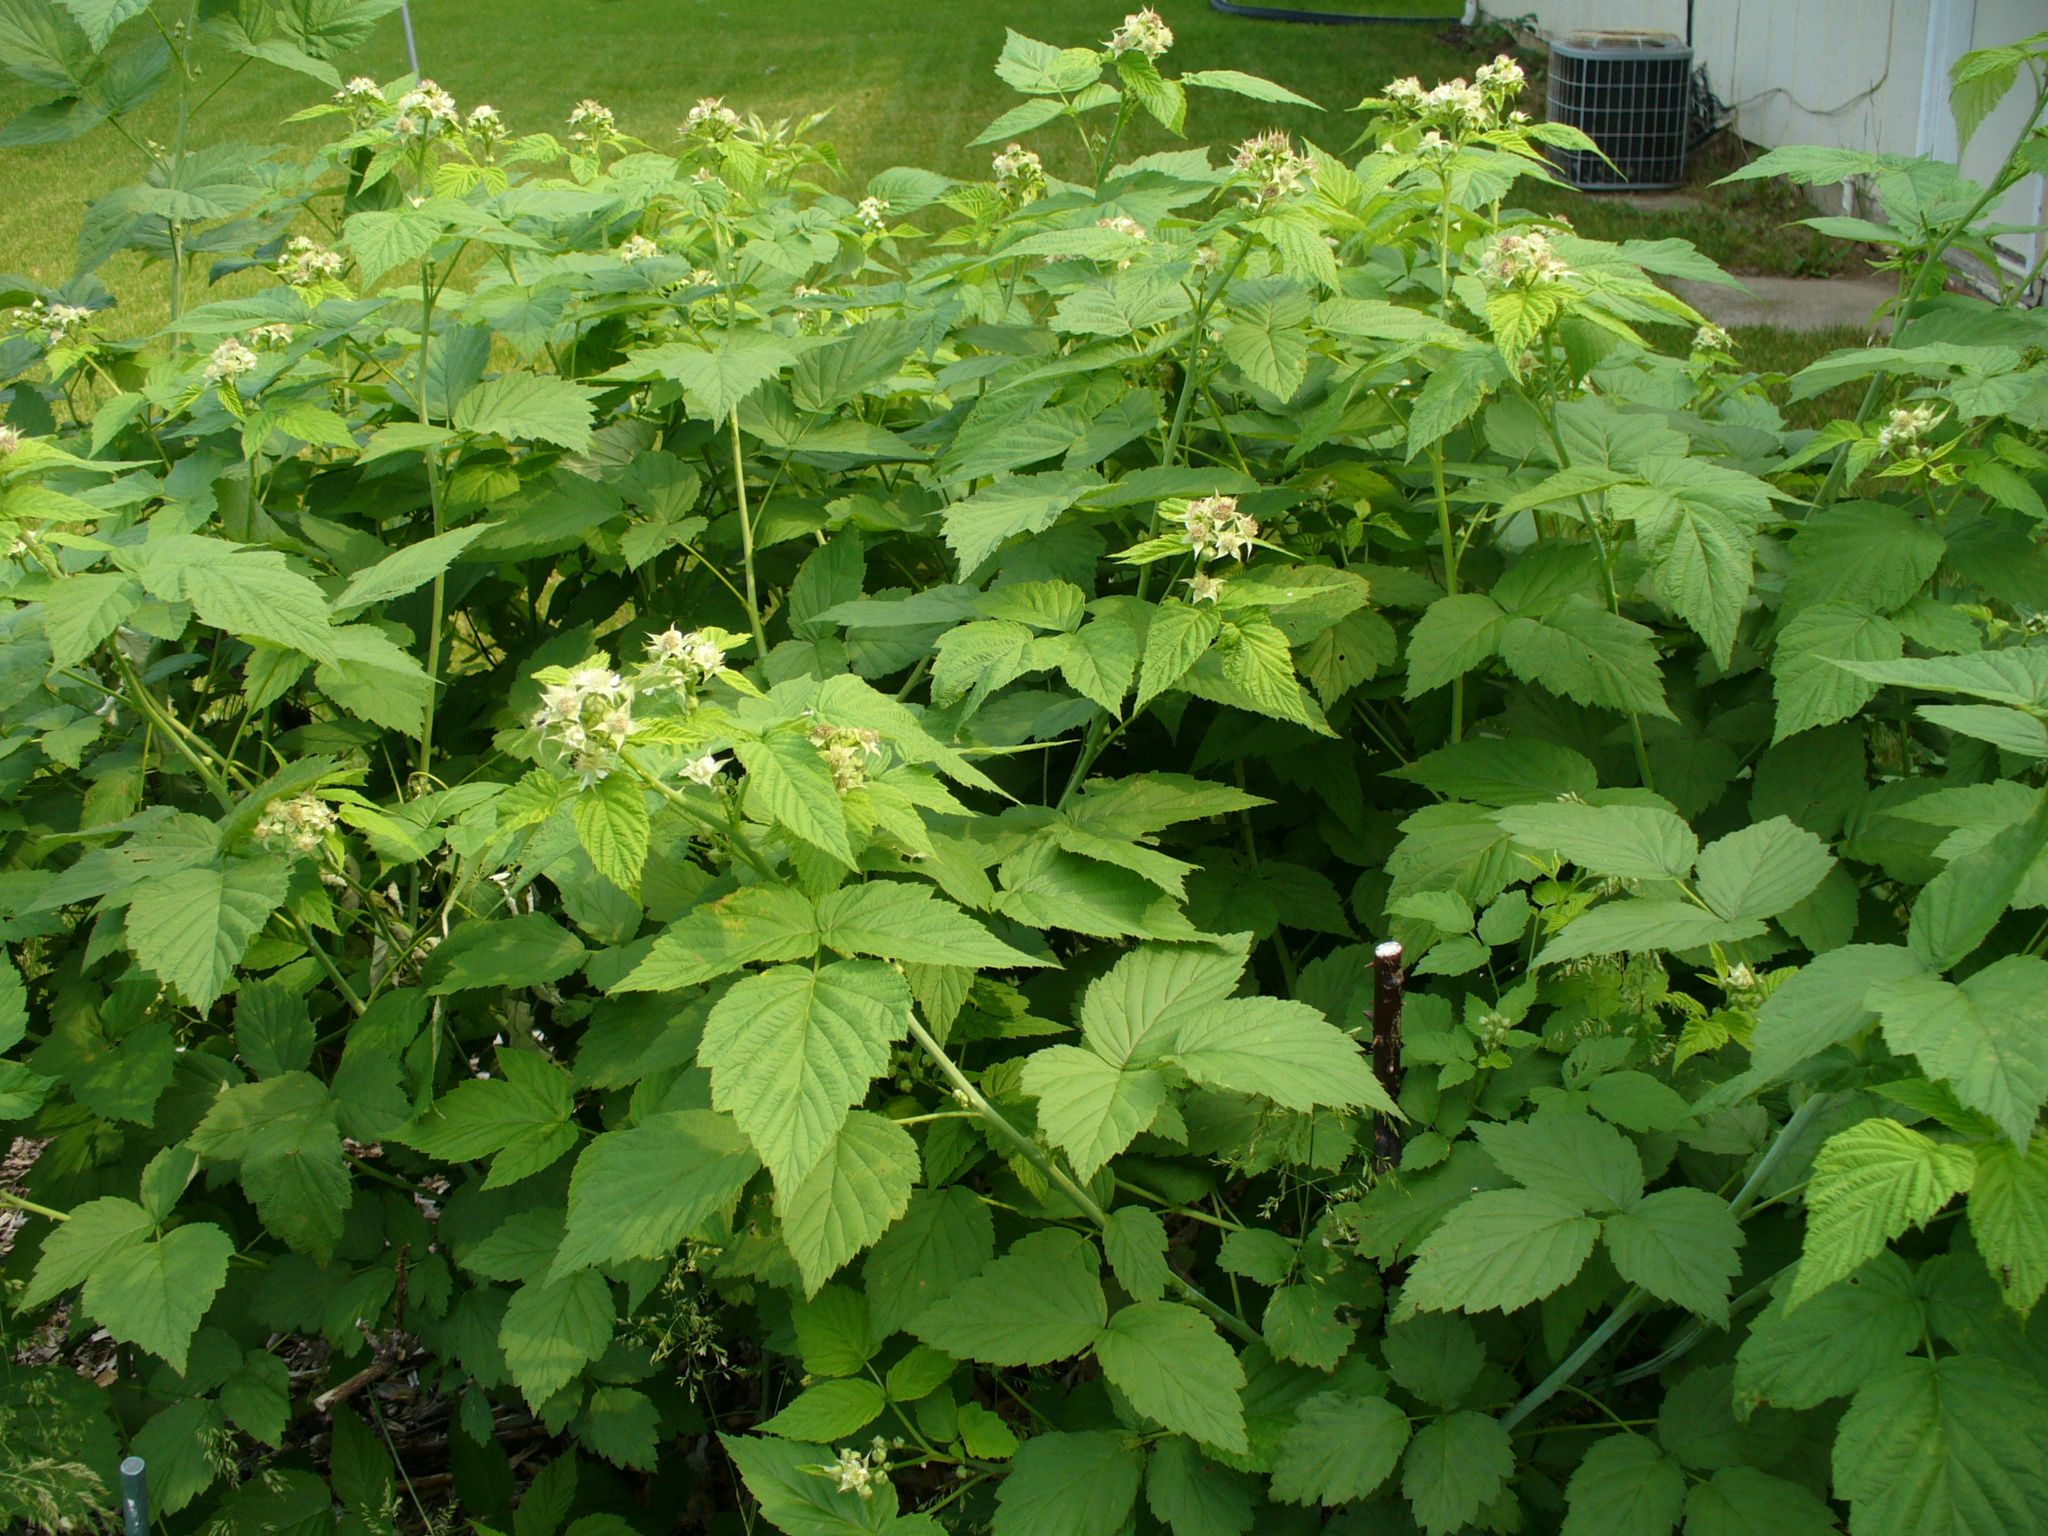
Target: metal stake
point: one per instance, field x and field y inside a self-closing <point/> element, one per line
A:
<point x="1388" y="980"/>
<point x="134" y="1497"/>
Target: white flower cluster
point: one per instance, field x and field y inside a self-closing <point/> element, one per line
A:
<point x="1461" y="106"/>
<point x="589" y="715"/>
<point x="1143" y="32"/>
<point x="1217" y="530"/>
<point x="855" y="1473"/>
<point x="306" y="262"/>
<point x="1019" y="175"/>
<point x="1204" y="589"/>
<point x="711" y="118"/>
<point x="873" y="213"/>
<point x="1523" y="261"/>
<point x="703" y="770"/>
<point x="847" y="751"/>
<point x="592" y="121"/>
<point x="1907" y="426"/>
<point x="638" y="248"/>
<point x="424" y="111"/>
<point x="362" y="91"/>
<point x="1270" y="162"/>
<point x="683" y="659"/>
<point x="486" y="122"/>
<point x="1711" y="338"/>
<point x="300" y="824"/>
<point x="270" y="337"/>
<point x="55" y="321"/>
<point x="1123" y="224"/>
<point x="229" y="362"/>
<point x="10" y="439"/>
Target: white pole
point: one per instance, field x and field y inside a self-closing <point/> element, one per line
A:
<point x="412" y="47"/>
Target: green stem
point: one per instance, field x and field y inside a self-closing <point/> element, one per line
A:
<point x="15" y="1202"/>
<point x="739" y="488"/>
<point x="1057" y="1176"/>
<point x="428" y="295"/>
<point x="1443" y="524"/>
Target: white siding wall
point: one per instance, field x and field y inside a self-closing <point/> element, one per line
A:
<point x="1859" y="74"/>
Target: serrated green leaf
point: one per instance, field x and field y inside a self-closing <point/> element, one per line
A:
<point x="153" y="1293"/>
<point x="895" y="920"/>
<point x="849" y="1198"/>
<point x="639" y="1192"/>
<point x="1828" y="1346"/>
<point x="1741" y="1501"/>
<point x="1090" y="1108"/>
<point x="192" y="927"/>
<point x="1636" y="923"/>
<point x="2009" y="1219"/>
<point x="1280" y="1050"/>
<point x="527" y="950"/>
<point x="1987" y="1038"/>
<point x="1624" y="1486"/>
<point x="522" y="1120"/>
<point x="1341" y="1448"/>
<point x="1871" y="1183"/>
<point x="1569" y="1155"/>
<point x="1762" y="869"/>
<point x="758" y="923"/>
<point x="828" y="1411"/>
<point x="1454" y="1468"/>
<point x="529" y="408"/>
<point x="1134" y="1242"/>
<point x="946" y="1238"/>
<point x="790" y="783"/>
<point x="1680" y="1245"/>
<point x="1040" y="1302"/>
<point x="1501" y="1249"/>
<point x="1172" y="1364"/>
<point x="552" y="1329"/>
<point x="613" y="825"/>
<point x="1195" y="1497"/>
<point x="1630" y="842"/>
<point x="1069" y="1485"/>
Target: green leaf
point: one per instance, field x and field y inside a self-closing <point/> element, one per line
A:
<point x="895" y="920"/>
<point x="1959" y="907"/>
<point x="1951" y="1447"/>
<point x="192" y="927"/>
<point x="1240" y="84"/>
<point x="384" y="238"/>
<point x="1762" y="869"/>
<point x="1624" y="1486"/>
<point x="1341" y="1449"/>
<point x="979" y="525"/>
<point x="946" y="1238"/>
<point x="792" y="1050"/>
<point x="82" y="611"/>
<point x="1822" y="1004"/>
<point x="1865" y="554"/>
<point x="1174" y="1367"/>
<point x="1267" y="336"/>
<point x="1435" y="1356"/>
<point x="613" y="825"/>
<point x="1090" y="1108"/>
<point x="1134" y="1242"/>
<point x="1811" y="689"/>
<point x="1454" y="635"/>
<point x="1502" y="1248"/>
<point x="637" y="1193"/>
<point x="404" y="570"/>
<point x="860" y="1186"/>
<point x="757" y="923"/>
<point x="789" y="782"/>
<point x="830" y="1410"/>
<point x="1042" y="1301"/>
<point x="1741" y="1501"/>
<point x="1871" y="1183"/>
<point x="715" y="377"/>
<point x="529" y="407"/>
<point x="1630" y="842"/>
<point x="174" y="1445"/>
<point x="154" y="1292"/>
<point x="1454" y="1468"/>
<point x="1308" y="1325"/>
<point x="98" y="19"/>
<point x="552" y="1329"/>
<point x="1635" y="923"/>
<point x="1193" y="1496"/>
<point x="1987" y="1038"/>
<point x="1280" y="1050"/>
<point x="522" y="1120"/>
<point x="528" y="950"/>
<point x="1799" y="1357"/>
<point x="1178" y="636"/>
<point x="1697" y="522"/>
<point x="1569" y="1155"/>
<point x="1069" y="1485"/>
<point x="1679" y="1245"/>
<point x="2009" y="1219"/>
<point x="1580" y="651"/>
<point x="76" y="1248"/>
<point x="785" y="1479"/>
<point x="250" y="593"/>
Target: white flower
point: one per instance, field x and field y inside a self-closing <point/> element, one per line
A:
<point x="873" y="212"/>
<point x="485" y="121"/>
<point x="359" y="92"/>
<point x="847" y="751"/>
<point x="1503" y="74"/>
<point x="1207" y="258"/>
<point x="229" y="362"/>
<point x="702" y="770"/>
<point x="10" y="439"/>
<point x="299" y="825"/>
<point x="1204" y="589"/>
<point x="279" y="335"/>
<point x="1143" y="32"/>
<point x="592" y="121"/>
<point x="1523" y="260"/>
<point x="1217" y="530"/>
<point x="305" y="263"/>
<point x="1270" y="162"/>
<point x="1907" y="426"/>
<point x="1123" y="224"/>
<point x="711" y="118"/>
<point x="1711" y="338"/>
<point x="695" y="655"/>
<point x="853" y="1474"/>
<point x="424" y="111"/>
<point x="638" y="248"/>
<point x="1019" y="174"/>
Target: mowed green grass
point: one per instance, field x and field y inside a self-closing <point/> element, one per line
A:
<point x="907" y="82"/>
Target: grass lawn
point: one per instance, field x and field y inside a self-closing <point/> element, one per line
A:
<point x="907" y="81"/>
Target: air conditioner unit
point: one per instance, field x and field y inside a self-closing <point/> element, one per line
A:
<point x="1630" y="93"/>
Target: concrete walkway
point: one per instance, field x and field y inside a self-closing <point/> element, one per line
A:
<point x="1791" y="303"/>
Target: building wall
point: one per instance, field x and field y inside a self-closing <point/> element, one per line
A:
<point x="1857" y="74"/>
